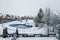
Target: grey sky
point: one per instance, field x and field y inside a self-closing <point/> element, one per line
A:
<point x="27" y="7"/>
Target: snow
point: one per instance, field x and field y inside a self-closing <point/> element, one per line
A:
<point x="29" y="21"/>
<point x="33" y="30"/>
<point x="37" y="38"/>
<point x="1" y="30"/>
<point x="5" y="38"/>
<point x="30" y="38"/>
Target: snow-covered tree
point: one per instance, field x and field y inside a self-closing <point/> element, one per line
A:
<point x="17" y="32"/>
<point x="5" y="33"/>
<point x="38" y="18"/>
<point x="48" y="16"/>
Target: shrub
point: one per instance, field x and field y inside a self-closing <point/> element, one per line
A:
<point x="5" y="33"/>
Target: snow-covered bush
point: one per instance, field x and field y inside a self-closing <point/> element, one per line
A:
<point x="5" y="33"/>
<point x="17" y="32"/>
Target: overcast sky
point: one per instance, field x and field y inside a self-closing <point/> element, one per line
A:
<point x="27" y="7"/>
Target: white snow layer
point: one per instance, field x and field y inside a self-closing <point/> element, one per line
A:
<point x="36" y="38"/>
<point x="33" y="30"/>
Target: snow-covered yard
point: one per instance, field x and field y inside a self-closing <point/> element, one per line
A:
<point x="31" y="38"/>
<point x="33" y="30"/>
<point x="1" y="29"/>
<point x="5" y="38"/>
<point x="37" y="38"/>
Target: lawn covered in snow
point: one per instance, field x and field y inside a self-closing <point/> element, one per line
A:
<point x="37" y="38"/>
<point x="5" y="38"/>
<point x="33" y="30"/>
<point x="30" y="38"/>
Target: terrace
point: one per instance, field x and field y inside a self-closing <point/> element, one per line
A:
<point x="32" y="33"/>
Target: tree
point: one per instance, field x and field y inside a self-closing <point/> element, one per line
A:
<point x="17" y="32"/>
<point x="47" y="18"/>
<point x="5" y="33"/>
<point x="1" y="18"/>
<point x="47" y="15"/>
<point x="39" y="17"/>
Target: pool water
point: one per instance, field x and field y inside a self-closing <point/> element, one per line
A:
<point x="22" y="26"/>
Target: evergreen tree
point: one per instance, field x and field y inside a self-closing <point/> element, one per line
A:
<point x="17" y="32"/>
<point x="38" y="18"/>
<point x="5" y="33"/>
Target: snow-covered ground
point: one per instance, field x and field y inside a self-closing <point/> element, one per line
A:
<point x="30" y="38"/>
<point x="33" y="30"/>
<point x="1" y="29"/>
<point x="5" y="38"/>
<point x="37" y="38"/>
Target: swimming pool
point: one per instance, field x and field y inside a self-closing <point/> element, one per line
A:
<point x="22" y="26"/>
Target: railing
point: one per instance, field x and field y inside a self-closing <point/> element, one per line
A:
<point x="35" y="35"/>
<point x="30" y="35"/>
